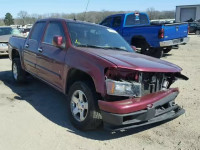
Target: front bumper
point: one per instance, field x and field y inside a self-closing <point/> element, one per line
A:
<point x="138" y="112"/>
<point x="174" y="42"/>
<point x="4" y="50"/>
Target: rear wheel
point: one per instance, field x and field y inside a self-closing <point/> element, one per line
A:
<point x="167" y="50"/>
<point x="82" y="106"/>
<point x="17" y="71"/>
<point x="154" y="52"/>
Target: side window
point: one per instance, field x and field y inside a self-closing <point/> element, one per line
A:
<point x="107" y="22"/>
<point x="36" y="33"/>
<point x="54" y="29"/>
<point x="117" y="21"/>
<point x="193" y="25"/>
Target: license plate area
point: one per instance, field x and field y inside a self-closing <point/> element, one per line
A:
<point x="176" y="41"/>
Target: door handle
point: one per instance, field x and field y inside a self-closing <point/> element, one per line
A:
<point x="27" y="45"/>
<point x="40" y="50"/>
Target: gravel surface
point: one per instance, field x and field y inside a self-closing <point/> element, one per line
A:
<point x="33" y="116"/>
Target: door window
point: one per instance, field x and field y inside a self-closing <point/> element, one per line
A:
<point x="117" y="21"/>
<point x="107" y="22"/>
<point x="54" y="29"/>
<point x="36" y="33"/>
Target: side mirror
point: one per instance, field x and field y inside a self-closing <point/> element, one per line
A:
<point x="58" y="41"/>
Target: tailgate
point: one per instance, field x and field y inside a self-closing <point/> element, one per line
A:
<point x="175" y="31"/>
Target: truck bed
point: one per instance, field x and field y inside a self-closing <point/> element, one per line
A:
<point x="150" y="32"/>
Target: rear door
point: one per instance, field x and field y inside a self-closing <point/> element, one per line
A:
<point x="50" y="60"/>
<point x="117" y="23"/>
<point x="31" y="47"/>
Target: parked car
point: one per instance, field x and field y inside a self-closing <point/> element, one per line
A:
<point x="152" y="39"/>
<point x="5" y="34"/>
<point x="102" y="76"/>
<point x="194" y="27"/>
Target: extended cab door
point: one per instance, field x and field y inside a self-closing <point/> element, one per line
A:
<point x="50" y="60"/>
<point x="31" y="47"/>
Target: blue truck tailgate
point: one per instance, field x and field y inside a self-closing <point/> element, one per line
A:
<point x="175" y="31"/>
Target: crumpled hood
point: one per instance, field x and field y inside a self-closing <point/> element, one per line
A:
<point x="4" y="38"/>
<point x="134" y="61"/>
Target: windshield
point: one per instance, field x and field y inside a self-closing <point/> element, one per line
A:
<point x="9" y="31"/>
<point x="84" y="35"/>
<point x="5" y="31"/>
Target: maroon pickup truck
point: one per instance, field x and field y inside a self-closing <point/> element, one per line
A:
<point x="103" y="78"/>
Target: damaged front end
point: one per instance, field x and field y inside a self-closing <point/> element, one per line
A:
<point x="136" y="98"/>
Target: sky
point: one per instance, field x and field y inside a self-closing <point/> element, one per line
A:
<point x="76" y="6"/>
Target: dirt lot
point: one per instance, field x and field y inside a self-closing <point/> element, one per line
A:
<point x="33" y="116"/>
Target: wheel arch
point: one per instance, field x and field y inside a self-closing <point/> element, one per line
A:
<point x="139" y="41"/>
<point x="74" y="75"/>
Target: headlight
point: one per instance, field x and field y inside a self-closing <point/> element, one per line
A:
<point x="123" y="88"/>
<point x="3" y="45"/>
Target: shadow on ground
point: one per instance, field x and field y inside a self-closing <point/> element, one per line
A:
<point x="4" y="57"/>
<point x="52" y="105"/>
<point x="166" y="55"/>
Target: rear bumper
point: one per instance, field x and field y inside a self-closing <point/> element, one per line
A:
<point x="174" y="42"/>
<point x="155" y="108"/>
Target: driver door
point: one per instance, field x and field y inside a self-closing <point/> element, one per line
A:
<point x="50" y="60"/>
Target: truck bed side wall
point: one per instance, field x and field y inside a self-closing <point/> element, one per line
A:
<point x="148" y="32"/>
<point x="16" y="43"/>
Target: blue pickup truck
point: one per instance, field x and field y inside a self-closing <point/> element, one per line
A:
<point x="151" y="39"/>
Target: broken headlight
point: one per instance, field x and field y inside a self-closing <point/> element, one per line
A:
<point x="123" y="88"/>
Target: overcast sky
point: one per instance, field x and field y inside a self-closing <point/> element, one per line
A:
<point x="75" y="6"/>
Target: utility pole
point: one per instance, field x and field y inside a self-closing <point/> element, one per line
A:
<point x="86" y="9"/>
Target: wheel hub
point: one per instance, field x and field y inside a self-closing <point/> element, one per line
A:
<point x="79" y="105"/>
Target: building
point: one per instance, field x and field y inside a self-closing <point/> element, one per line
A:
<point x="187" y="12"/>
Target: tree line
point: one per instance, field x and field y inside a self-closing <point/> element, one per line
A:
<point x="24" y="18"/>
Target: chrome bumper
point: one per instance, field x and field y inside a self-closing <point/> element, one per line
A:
<point x="3" y="50"/>
<point x="174" y="42"/>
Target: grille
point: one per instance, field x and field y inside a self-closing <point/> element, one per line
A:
<point x="151" y="82"/>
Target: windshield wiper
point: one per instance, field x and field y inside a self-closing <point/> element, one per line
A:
<point x="87" y="45"/>
<point x="116" y="48"/>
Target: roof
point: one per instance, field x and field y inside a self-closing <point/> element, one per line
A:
<point x="67" y="20"/>
<point x="5" y="27"/>
<point x="188" y="5"/>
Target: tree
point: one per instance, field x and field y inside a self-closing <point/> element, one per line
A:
<point x="8" y="20"/>
<point x="23" y="16"/>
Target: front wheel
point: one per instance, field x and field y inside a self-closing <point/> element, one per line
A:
<point x="17" y="72"/>
<point x="82" y="106"/>
<point x="197" y="32"/>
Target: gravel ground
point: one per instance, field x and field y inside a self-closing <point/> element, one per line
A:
<point x="33" y="115"/>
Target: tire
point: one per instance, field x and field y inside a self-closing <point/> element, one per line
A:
<point x="197" y="32"/>
<point x="154" y="52"/>
<point x="167" y="50"/>
<point x="18" y="73"/>
<point x="91" y="117"/>
<point x="147" y="51"/>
